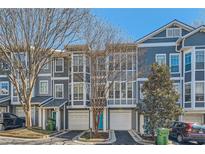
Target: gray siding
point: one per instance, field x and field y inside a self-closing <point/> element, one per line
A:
<point x="195" y="40"/>
<point x="161" y="40"/>
<point x="37" y="90"/>
<point x="65" y="83"/>
<point x="65" y="71"/>
<point x="146" y="57"/>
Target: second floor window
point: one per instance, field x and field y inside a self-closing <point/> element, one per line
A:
<point x="187" y="61"/>
<point x="4" y="88"/>
<point x="59" y="91"/>
<point x="174" y="63"/>
<point x="160" y="59"/>
<point x="188" y="92"/>
<point x="43" y="87"/>
<point x="59" y="65"/>
<point x="78" y="91"/>
<point x="200" y="59"/>
<point x="199" y="86"/>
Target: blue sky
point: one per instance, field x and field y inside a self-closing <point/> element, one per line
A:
<point x="138" y="22"/>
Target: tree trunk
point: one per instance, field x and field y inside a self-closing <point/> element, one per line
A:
<point x="28" y="118"/>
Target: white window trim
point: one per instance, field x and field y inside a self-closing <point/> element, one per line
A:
<point x="170" y="55"/>
<point x="62" y="91"/>
<point x="185" y="62"/>
<point x="40" y="86"/>
<point x="195" y="91"/>
<point x="173" y="35"/>
<point x="160" y="54"/>
<point x="62" y="65"/>
<point x="141" y="94"/>
<point x="46" y="65"/>
<point x="195" y="59"/>
<point x="8" y="87"/>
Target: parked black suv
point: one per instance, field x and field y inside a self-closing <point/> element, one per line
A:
<point x="188" y="131"/>
<point x="8" y="120"/>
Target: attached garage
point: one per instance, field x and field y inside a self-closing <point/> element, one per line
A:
<point x="199" y="118"/>
<point x="78" y="119"/>
<point x="120" y="119"/>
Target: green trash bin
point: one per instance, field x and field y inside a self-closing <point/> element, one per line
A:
<point x="162" y="136"/>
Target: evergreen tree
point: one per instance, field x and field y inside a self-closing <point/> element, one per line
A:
<point x="160" y="98"/>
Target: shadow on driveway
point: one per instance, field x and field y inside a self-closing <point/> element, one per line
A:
<point x="70" y="135"/>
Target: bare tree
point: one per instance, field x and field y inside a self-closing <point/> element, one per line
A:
<point x="107" y="55"/>
<point x="28" y="40"/>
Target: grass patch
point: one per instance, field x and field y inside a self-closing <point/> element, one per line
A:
<point x="101" y="135"/>
<point x="31" y="133"/>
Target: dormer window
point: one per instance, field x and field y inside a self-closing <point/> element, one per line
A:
<point x="173" y="32"/>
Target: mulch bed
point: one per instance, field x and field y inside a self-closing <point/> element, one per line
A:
<point x="146" y="137"/>
<point x="101" y="135"/>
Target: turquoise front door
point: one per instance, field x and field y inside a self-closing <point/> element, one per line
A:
<point x="100" y="125"/>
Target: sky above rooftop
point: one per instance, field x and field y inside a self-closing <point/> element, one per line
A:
<point x="137" y="23"/>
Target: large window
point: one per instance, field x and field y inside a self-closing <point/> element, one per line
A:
<point x="43" y="85"/>
<point x="187" y="61"/>
<point x="174" y="63"/>
<point x="188" y="92"/>
<point x="78" y="91"/>
<point x="77" y="63"/>
<point x="200" y="59"/>
<point x="123" y="89"/>
<point x="129" y="90"/>
<point x="141" y="94"/>
<point x="117" y="90"/>
<point x="59" y="65"/>
<point x="4" y="88"/>
<point x="111" y="93"/>
<point x="173" y="32"/>
<point x="199" y="90"/>
<point x="59" y="90"/>
<point x="160" y="59"/>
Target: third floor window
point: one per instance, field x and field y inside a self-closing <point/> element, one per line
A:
<point x="187" y="61"/>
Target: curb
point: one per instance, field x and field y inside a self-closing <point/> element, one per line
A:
<point x="56" y="134"/>
<point x="111" y="140"/>
<point x="138" y="139"/>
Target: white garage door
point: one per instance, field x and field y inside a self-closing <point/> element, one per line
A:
<point x="120" y="119"/>
<point x="194" y="118"/>
<point x="78" y="120"/>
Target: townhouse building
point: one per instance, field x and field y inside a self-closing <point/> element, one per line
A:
<point x="59" y="93"/>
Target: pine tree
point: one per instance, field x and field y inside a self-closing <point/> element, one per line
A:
<point x="160" y="98"/>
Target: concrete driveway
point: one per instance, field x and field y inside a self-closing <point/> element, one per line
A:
<point x="123" y="138"/>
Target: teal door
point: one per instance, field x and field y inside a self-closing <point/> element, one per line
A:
<point x="100" y="125"/>
<point x="54" y="115"/>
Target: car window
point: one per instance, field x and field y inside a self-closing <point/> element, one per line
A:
<point x="196" y="128"/>
<point x="12" y="116"/>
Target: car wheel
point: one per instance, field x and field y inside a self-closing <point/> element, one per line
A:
<point x="200" y="143"/>
<point x="179" y="138"/>
<point x="2" y="127"/>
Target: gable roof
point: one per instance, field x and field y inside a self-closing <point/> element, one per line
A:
<point x="200" y="28"/>
<point x="185" y="26"/>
